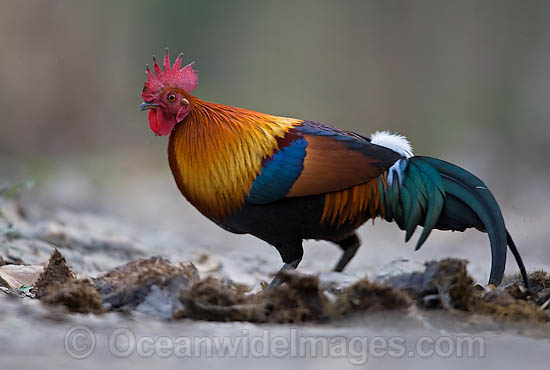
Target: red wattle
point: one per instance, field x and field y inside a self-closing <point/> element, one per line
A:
<point x="153" y="123"/>
<point x="159" y="123"/>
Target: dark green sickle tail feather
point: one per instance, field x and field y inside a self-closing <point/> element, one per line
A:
<point x="439" y="195"/>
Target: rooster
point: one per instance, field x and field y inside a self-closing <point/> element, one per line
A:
<point x="284" y="180"/>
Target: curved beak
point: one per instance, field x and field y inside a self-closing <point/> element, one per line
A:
<point x="144" y="106"/>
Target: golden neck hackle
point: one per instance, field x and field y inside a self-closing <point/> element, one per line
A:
<point x="217" y="152"/>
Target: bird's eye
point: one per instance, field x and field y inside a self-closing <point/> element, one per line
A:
<point x="171" y="98"/>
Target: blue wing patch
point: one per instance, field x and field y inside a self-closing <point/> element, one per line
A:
<point x="278" y="173"/>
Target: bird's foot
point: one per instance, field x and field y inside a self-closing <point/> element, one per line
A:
<point x="276" y="280"/>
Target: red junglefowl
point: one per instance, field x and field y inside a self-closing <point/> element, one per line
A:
<point x="284" y="180"/>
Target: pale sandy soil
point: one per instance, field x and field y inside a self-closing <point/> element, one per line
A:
<point x="152" y="219"/>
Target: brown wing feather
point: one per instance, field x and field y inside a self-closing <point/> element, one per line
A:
<point x="330" y="165"/>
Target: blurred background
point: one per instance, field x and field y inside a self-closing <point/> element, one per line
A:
<point x="465" y="81"/>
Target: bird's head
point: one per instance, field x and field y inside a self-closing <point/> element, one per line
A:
<point x="166" y="94"/>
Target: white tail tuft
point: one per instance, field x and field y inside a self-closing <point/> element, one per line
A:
<point x="397" y="143"/>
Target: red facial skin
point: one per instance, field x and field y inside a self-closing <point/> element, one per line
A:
<point x="172" y="108"/>
<point x="164" y="93"/>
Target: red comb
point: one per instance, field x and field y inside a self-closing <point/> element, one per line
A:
<point x="185" y="78"/>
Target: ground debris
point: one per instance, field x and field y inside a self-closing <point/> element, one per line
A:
<point x="299" y="299"/>
<point x="501" y="305"/>
<point x="149" y="285"/>
<point x="446" y="284"/>
<point x="76" y="295"/>
<point x="58" y="285"/>
<point x="443" y="284"/>
<point x="365" y="295"/>
<point x="56" y="272"/>
<point x="513" y="302"/>
<point x="159" y="289"/>
<point x="215" y="300"/>
<point x="206" y="263"/>
<point x="17" y="276"/>
<point x="539" y="282"/>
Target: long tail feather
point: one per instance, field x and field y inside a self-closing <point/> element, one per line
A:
<point x="519" y="261"/>
<point x="439" y="195"/>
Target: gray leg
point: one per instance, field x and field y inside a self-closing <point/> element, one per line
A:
<point x="350" y="245"/>
<point x="287" y="266"/>
<point x="291" y="252"/>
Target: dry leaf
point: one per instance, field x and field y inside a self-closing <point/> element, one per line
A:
<point x="16" y="276"/>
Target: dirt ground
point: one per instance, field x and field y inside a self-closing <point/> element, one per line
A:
<point x="87" y="282"/>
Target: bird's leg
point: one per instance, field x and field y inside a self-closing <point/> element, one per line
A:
<point x="291" y="253"/>
<point x="350" y="245"/>
<point x="287" y="266"/>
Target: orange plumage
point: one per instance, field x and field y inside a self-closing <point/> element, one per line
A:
<point x="285" y="180"/>
<point x="216" y="156"/>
